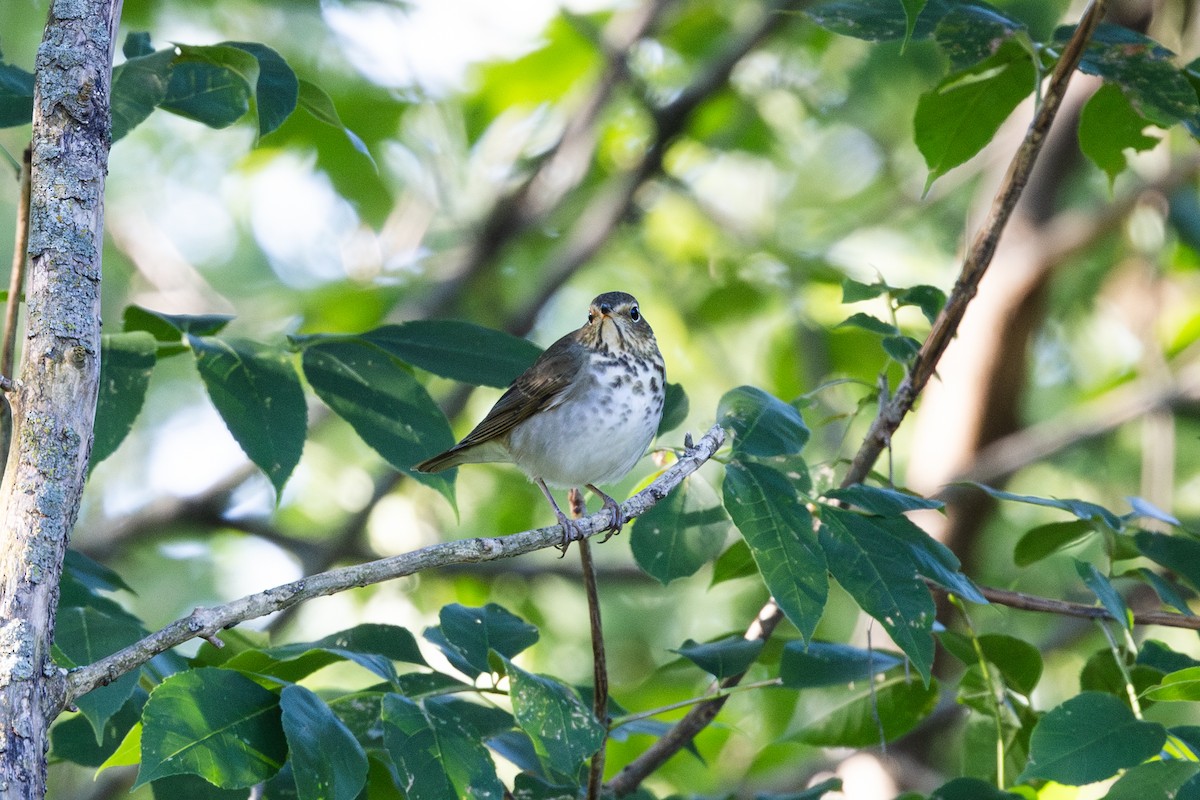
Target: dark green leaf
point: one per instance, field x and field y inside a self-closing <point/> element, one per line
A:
<point x="1089" y="738"/>
<point x="675" y="409"/>
<point x="736" y="562"/>
<point x="869" y="323"/>
<point x="314" y="100"/>
<point x="137" y="43"/>
<point x="901" y="348"/>
<point x="868" y="714"/>
<point x="1156" y="780"/>
<point x="955" y="120"/>
<point x="912" y="11"/>
<point x="1142" y="68"/>
<point x="878" y="500"/>
<point x="831" y="664"/>
<point x="169" y="328"/>
<point x="779" y="530"/>
<point x="435" y="756"/>
<point x="1102" y="673"/>
<point x="815" y="792"/>
<point x="762" y="425"/>
<point x="420" y="684"/>
<point x="563" y="730"/>
<point x="258" y="395"/>
<point x="684" y="531"/>
<point x="1044" y="540"/>
<point x="466" y="635"/>
<point x="327" y="763"/>
<point x="16" y="96"/>
<point x="1156" y="655"/>
<point x="1176" y="553"/>
<point x="1109" y="597"/>
<point x="372" y="646"/>
<point x="855" y="292"/>
<point x="1082" y="509"/>
<point x="724" y="657"/>
<point x="85" y="635"/>
<point x="384" y="404"/>
<point x="93" y="574"/>
<point x="876" y="21"/>
<point x="461" y="351"/>
<point x="971" y="32"/>
<point x="971" y="789"/>
<point x="212" y="85"/>
<point x="126" y="361"/>
<point x="276" y="91"/>
<point x="1109" y="125"/>
<point x="1019" y="663"/>
<point x="73" y="739"/>
<point x="138" y="86"/>
<point x="214" y="723"/>
<point x="929" y="299"/>
<point x="882" y="578"/>
<point x="192" y="787"/>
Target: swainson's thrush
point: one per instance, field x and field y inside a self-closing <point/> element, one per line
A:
<point x="582" y="415"/>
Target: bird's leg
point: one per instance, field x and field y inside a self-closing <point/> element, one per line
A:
<point x="571" y="531"/>
<point x="614" y="508"/>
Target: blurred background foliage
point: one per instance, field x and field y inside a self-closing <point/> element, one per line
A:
<point x="795" y="173"/>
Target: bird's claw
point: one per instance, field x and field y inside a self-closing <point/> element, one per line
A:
<point x="571" y="533"/>
<point x="617" y="515"/>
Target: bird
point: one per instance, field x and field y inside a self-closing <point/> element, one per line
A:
<point x="582" y="415"/>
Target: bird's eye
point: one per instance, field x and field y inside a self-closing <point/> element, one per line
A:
<point x="591" y="317"/>
<point x="634" y="314"/>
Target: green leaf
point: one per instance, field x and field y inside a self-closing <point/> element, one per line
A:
<point x="138" y="86"/>
<point x="1166" y="591"/>
<point x="327" y="762"/>
<point x="315" y="101"/>
<point x="1155" y="780"/>
<point x="972" y="32"/>
<point x="1102" y="673"/>
<point x="971" y="789"/>
<point x="1089" y="738"/>
<point x="435" y="756"/>
<point x="258" y="395"/>
<point x="736" y="562"/>
<point x="815" y="792"/>
<point x="876" y="21"/>
<point x="901" y="348"/>
<point x="1143" y="69"/>
<point x="1182" y="685"/>
<point x="1045" y="540"/>
<point x="170" y="328"/>
<point x="869" y="323"/>
<point x="1156" y="655"/>
<point x="73" y="739"/>
<point x="1019" y="663"/>
<point x="460" y="351"/>
<point x="1108" y="126"/>
<point x="384" y="403"/>
<point x="882" y="578"/>
<point x="1176" y="553"/>
<point x="1089" y="512"/>
<point x="779" y="530"/>
<point x="92" y="574"/>
<point x="126" y="361"/>
<point x="862" y="717"/>
<point x="685" y="531"/>
<point x="761" y="425"/>
<point x="732" y="655"/>
<point x="855" y="292"/>
<point x="466" y="635"/>
<point x="885" y="502"/>
<point x="211" y="84"/>
<point x="563" y="730"/>
<point x="956" y="119"/>
<point x="372" y="646"/>
<point x="831" y="664"/>
<point x="193" y="788"/>
<point x="1109" y="597"/>
<point x="214" y="723"/>
<point x="675" y="409"/>
<point x="86" y="635"/>
<point x="16" y="96"/>
<point x="137" y="43"/>
<point x="929" y="299"/>
<point x="276" y="91"/>
<point x="912" y="11"/>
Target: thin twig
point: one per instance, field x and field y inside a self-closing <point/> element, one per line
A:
<point x="209" y="622"/>
<point x="599" y="659"/>
<point x="1065" y="608"/>
<point x="16" y="281"/>
<point x="892" y="413"/>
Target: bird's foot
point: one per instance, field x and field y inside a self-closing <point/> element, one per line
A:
<point x="572" y="532"/>
<point x="615" y="512"/>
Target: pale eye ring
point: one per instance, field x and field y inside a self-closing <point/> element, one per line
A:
<point x="634" y="314"/>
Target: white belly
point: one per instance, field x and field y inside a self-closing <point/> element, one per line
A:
<point x="594" y="436"/>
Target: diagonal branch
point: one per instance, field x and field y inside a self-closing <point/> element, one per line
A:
<point x="893" y="413"/>
<point x="208" y="622"/>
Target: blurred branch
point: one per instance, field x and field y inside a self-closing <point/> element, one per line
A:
<point x="207" y="623"/>
<point x="892" y="413"/>
<point x="16" y="281"/>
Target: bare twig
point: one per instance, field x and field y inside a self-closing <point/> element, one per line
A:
<point x="208" y="622"/>
<point x="893" y="412"/>
<point x="16" y="280"/>
<point x="599" y="666"/>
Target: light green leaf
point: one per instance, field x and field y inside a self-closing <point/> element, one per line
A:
<point x="1045" y="540"/>
<point x="1182" y="685"/>
<point x="126" y="361"/>
<point x="686" y="530"/>
<point x="861" y="717"/>
<point x="1108" y="126"/>
<point x="1089" y="738"/>
<point x="736" y="562"/>
<point x="214" y="723"/>
<point x="779" y="531"/>
<point x="327" y="762"/>
<point x="912" y="11"/>
<point x="384" y="404"/>
<point x="258" y="395"/>
<point x="314" y="100"/>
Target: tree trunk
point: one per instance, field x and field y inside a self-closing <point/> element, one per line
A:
<point x="55" y="401"/>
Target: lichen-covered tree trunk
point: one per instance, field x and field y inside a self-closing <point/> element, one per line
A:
<point x="55" y="402"/>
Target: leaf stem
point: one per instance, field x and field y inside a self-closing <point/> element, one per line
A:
<point x="721" y="691"/>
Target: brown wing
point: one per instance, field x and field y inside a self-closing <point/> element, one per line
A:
<point x="541" y="386"/>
